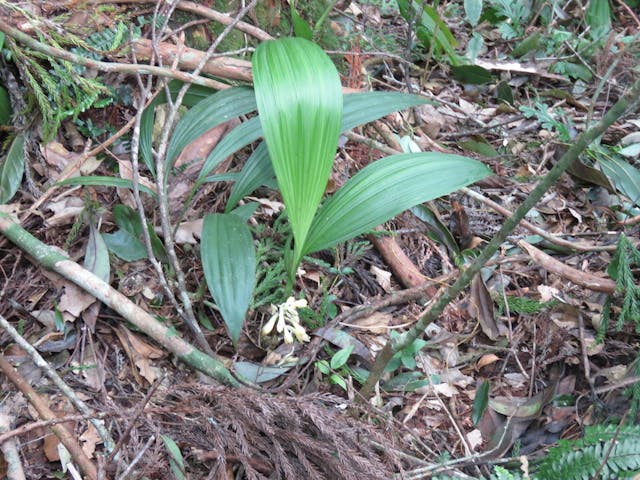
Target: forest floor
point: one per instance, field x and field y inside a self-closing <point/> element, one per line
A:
<point x="542" y="345"/>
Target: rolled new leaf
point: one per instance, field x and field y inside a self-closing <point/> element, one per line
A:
<point x="299" y="99"/>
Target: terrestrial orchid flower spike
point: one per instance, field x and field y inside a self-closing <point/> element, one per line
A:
<point x="286" y="320"/>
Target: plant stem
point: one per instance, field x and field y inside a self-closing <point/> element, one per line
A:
<point x="581" y="143"/>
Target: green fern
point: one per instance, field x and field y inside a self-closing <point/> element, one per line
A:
<point x="58" y="88"/>
<point x="621" y="270"/>
<point x="605" y="449"/>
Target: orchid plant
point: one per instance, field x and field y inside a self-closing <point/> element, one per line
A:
<point x="301" y="113"/>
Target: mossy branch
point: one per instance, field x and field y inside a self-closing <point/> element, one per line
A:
<point x="52" y="259"/>
<point x="581" y="143"/>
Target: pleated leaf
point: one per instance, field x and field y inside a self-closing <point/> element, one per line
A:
<point x="195" y="94"/>
<point x="229" y="263"/>
<point x="299" y="99"/>
<point x="383" y="189"/>
<point x="210" y="112"/>
<point x="358" y="108"/>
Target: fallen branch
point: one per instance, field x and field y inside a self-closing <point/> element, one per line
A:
<point x="51" y="258"/>
<point x="62" y="54"/>
<point x="60" y="431"/>
<point x="9" y="449"/>
<point x="584" y="279"/>
<point x="400" y="264"/>
<point x="204" y="12"/>
<point x="40" y="362"/>
<point x="188" y="59"/>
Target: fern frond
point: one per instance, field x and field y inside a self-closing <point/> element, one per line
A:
<point x="615" y="455"/>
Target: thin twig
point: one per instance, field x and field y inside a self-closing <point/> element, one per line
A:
<point x="58" y="382"/>
<point x="165" y="222"/>
<point x="107" y="66"/>
<point x="136" y="413"/>
<point x="63" y="434"/>
<point x="137" y="458"/>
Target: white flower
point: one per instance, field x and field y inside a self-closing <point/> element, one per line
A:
<point x="286" y="320"/>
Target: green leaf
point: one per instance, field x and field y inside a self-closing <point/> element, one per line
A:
<point x="625" y="176"/>
<point x="195" y="94"/>
<point x="472" y="74"/>
<point x="300" y="27"/>
<point x="430" y="27"/>
<point x="258" y="373"/>
<point x="323" y="367"/>
<point x="96" y="257"/>
<point x="598" y="16"/>
<point x="12" y="169"/>
<point x="5" y="107"/>
<point x="176" y="461"/>
<point x="125" y="246"/>
<point x="480" y="402"/>
<point x="359" y="108"/>
<point x="437" y="228"/>
<point x="341" y="357"/>
<point x="372" y="197"/>
<point x="101" y="181"/>
<point x="127" y="219"/>
<point x="472" y="10"/>
<point x="299" y="100"/>
<point x="229" y="264"/>
<point x="529" y="44"/>
<point x="210" y="112"/>
<point x="256" y="171"/>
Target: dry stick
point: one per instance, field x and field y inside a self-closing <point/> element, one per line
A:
<point x="581" y="143"/>
<point x="27" y="427"/>
<point x="137" y="458"/>
<point x="161" y="183"/>
<point x="51" y="258"/>
<point x="63" y="434"/>
<point x="136" y="413"/>
<point x="584" y="279"/>
<point x="107" y="66"/>
<point x="188" y="58"/>
<point x="9" y="448"/>
<point x="205" y="12"/>
<point x="55" y="378"/>
<point x="577" y="246"/>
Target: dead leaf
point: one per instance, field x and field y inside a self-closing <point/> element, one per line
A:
<point x="89" y="439"/>
<point x="481" y="307"/>
<point x="486" y="359"/>
<point x="65" y="211"/>
<point x="68" y="164"/>
<point x="126" y="171"/>
<point x="474" y="439"/>
<point x="50" y="447"/>
<point x="140" y="353"/>
<point x="12" y="210"/>
<point x="90" y="370"/>
<point x="269" y="207"/>
<point x="383" y="278"/>
<point x="546" y="292"/>
<point x="377" y="323"/>
<point x="74" y="300"/>
<point x="189" y="232"/>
